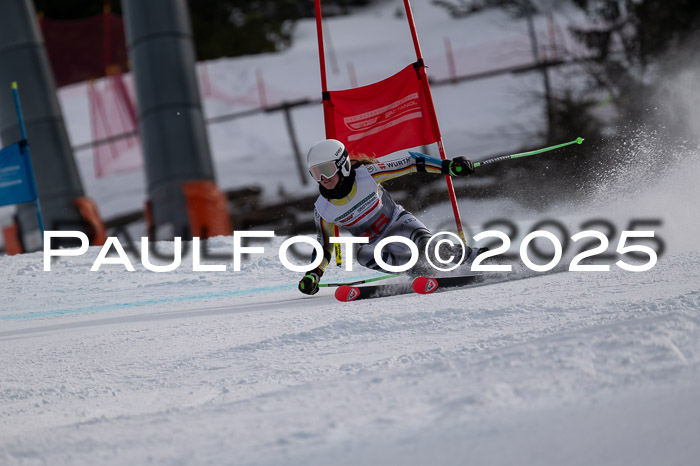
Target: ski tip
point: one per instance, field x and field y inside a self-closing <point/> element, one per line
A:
<point x="347" y="293"/>
<point x="424" y="285"/>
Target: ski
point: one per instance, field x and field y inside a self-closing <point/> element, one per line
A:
<point x="348" y="293"/>
<point x="427" y="285"/>
<point x="422" y="285"/>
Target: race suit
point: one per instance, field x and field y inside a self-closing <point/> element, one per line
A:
<point x="369" y="211"/>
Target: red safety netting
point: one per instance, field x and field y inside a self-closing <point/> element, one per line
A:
<point x="112" y="114"/>
<point x="85" y="49"/>
<point x="383" y="117"/>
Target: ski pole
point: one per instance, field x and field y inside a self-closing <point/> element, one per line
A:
<point x="360" y="282"/>
<point x="501" y="158"/>
<point x="527" y="154"/>
<point x="25" y="151"/>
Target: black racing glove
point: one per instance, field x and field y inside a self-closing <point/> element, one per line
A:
<point x="459" y="166"/>
<point x="309" y="284"/>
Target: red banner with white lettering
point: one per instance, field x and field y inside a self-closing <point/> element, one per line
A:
<point x="381" y="118"/>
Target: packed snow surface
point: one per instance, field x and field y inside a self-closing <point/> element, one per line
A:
<point x="186" y="367"/>
<point x="117" y="367"/>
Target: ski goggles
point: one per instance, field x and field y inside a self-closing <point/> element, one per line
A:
<point x="328" y="169"/>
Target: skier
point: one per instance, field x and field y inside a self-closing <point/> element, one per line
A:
<point x="352" y="197"/>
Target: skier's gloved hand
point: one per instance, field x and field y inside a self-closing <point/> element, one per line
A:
<point x="459" y="166"/>
<point x="309" y="284"/>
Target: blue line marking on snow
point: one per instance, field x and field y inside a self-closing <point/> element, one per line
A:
<point x="113" y="306"/>
<point x="148" y="302"/>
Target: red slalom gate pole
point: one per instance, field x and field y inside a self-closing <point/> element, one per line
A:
<point x="433" y="118"/>
<point x="327" y="106"/>
<point x="326" y="98"/>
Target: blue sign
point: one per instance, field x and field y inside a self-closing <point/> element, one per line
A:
<point x="16" y="183"/>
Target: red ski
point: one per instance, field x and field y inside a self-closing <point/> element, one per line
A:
<point x="353" y="293"/>
<point x="427" y="285"/>
<point x="422" y="285"/>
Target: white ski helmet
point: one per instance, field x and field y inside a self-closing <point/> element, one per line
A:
<point x="325" y="158"/>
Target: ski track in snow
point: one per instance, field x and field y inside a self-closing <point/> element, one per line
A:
<point x="254" y="379"/>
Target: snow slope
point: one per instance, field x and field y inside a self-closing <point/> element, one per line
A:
<point x="113" y="367"/>
<point x="117" y="367"/>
